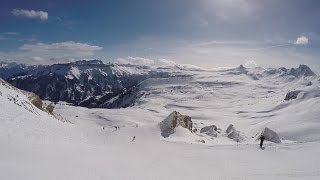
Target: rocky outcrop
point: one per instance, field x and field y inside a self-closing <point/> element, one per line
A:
<point x="233" y="134"/>
<point x="209" y="130"/>
<point x="309" y="83"/>
<point x="292" y="95"/>
<point x="201" y="141"/>
<point x="230" y="129"/>
<point x="175" y="119"/>
<point x="50" y="109"/>
<point x="271" y="135"/>
<point x="35" y="100"/>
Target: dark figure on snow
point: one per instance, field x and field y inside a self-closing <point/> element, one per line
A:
<point x="262" y="138"/>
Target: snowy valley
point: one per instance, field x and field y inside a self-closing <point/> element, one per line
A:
<point x="222" y="113"/>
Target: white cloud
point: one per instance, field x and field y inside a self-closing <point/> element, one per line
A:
<point x="49" y="53"/>
<point x="37" y="59"/>
<point x="212" y="53"/>
<point x="11" y="33"/>
<point x="145" y="61"/>
<point x="42" y="15"/>
<point x="135" y="61"/>
<point x="302" y="40"/>
<point x="68" y="47"/>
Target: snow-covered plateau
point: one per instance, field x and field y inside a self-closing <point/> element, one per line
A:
<point x="195" y="108"/>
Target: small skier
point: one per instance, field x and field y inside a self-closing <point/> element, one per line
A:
<point x="134" y="137"/>
<point x="262" y="138"/>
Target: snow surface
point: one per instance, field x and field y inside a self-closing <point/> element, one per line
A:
<point x="35" y="145"/>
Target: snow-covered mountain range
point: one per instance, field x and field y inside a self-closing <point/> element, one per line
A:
<point x="95" y="84"/>
<point x="235" y="96"/>
<point x="85" y="83"/>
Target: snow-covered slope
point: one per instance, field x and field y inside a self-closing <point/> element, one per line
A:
<point x="248" y="98"/>
<point x="21" y="121"/>
<point x="251" y="99"/>
<point x="88" y="146"/>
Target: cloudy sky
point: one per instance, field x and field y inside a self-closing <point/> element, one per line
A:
<point x="206" y="33"/>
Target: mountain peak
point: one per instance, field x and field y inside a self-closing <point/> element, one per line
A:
<point x="241" y="68"/>
<point x="302" y="70"/>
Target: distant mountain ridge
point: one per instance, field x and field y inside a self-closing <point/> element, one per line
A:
<point x="94" y="84"/>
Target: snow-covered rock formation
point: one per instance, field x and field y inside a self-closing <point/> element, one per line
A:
<point x="233" y="134"/>
<point x="209" y="130"/>
<point x="292" y="95"/>
<point x="307" y="93"/>
<point x="271" y="135"/>
<point x="175" y="119"/>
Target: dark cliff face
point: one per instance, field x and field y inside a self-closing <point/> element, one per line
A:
<point x="83" y="83"/>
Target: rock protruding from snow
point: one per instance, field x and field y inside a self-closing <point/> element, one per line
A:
<point x="209" y="130"/>
<point x="233" y="134"/>
<point x="34" y="99"/>
<point x="309" y="83"/>
<point x="310" y="92"/>
<point x="175" y="119"/>
<point x="271" y="135"/>
<point x="230" y="129"/>
<point x="201" y="141"/>
<point x="292" y="95"/>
